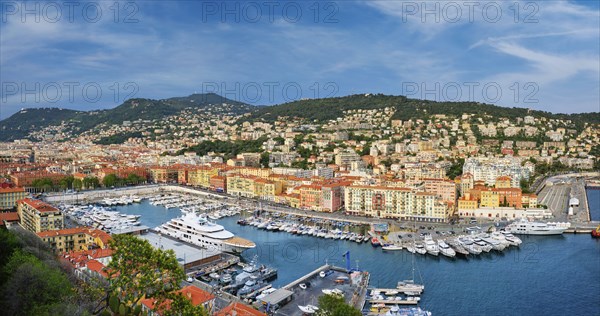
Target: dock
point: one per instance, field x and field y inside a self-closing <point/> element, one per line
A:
<point x="407" y="289"/>
<point x="394" y="302"/>
<point x="353" y="289"/>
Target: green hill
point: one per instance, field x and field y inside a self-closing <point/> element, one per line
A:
<point x="23" y="122"/>
<point x="321" y="110"/>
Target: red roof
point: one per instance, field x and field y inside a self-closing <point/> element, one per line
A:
<point x="41" y="206"/>
<point x="11" y="190"/>
<point x="239" y="309"/>
<point x="9" y="217"/>
<point x="95" y="265"/>
<point x="195" y="294"/>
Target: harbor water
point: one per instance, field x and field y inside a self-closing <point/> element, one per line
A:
<point x="593" y="197"/>
<point x="547" y="275"/>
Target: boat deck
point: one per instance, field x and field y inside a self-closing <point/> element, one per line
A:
<point x="239" y="241"/>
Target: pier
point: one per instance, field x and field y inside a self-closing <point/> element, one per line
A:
<point x="353" y="287"/>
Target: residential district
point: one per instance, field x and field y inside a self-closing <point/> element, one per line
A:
<point x="441" y="171"/>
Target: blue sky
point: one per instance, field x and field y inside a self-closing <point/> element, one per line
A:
<point x="542" y="55"/>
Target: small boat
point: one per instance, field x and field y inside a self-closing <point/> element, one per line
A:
<point x="302" y="286"/>
<point x="308" y="309"/>
<point x="391" y="247"/>
<point x="596" y="232"/>
<point x="375" y="242"/>
<point x="445" y="249"/>
<point x="420" y="249"/>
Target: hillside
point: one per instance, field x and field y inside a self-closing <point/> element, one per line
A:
<point x="328" y="109"/>
<point x="23" y="122"/>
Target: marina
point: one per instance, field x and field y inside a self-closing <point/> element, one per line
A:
<point x="519" y="268"/>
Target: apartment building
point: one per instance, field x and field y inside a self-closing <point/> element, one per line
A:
<point x="75" y="239"/>
<point x="400" y="203"/>
<point x="37" y="216"/>
<point x="10" y="196"/>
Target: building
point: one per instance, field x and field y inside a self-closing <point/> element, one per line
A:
<point x="509" y="213"/>
<point x="200" y="176"/>
<point x="503" y="182"/>
<point x="75" y="239"/>
<point x="239" y="309"/>
<point x="333" y="197"/>
<point x="466" y="183"/>
<point x="10" y="196"/>
<point x="240" y="185"/>
<point x="37" y="216"/>
<point x="266" y="189"/>
<point x="218" y="183"/>
<point x="398" y="203"/>
<point x="163" y="174"/>
<point x="8" y="218"/>
<point x="26" y="179"/>
<point x="444" y="189"/>
<point x="344" y="159"/>
<point x="195" y="294"/>
<point x="466" y="203"/>
<point x="311" y="197"/>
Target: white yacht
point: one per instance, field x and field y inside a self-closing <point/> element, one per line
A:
<point x="431" y="246"/>
<point x="525" y="227"/>
<point x="445" y="249"/>
<point x="199" y="231"/>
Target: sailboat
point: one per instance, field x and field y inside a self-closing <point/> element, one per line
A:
<point x="409" y="287"/>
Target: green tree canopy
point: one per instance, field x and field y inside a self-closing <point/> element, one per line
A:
<point x="110" y="180"/>
<point x="137" y="270"/>
<point x="334" y="305"/>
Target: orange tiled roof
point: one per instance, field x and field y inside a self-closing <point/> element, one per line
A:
<point x="11" y="190"/>
<point x="41" y="206"/>
<point x="95" y="265"/>
<point x="9" y="216"/>
<point x="239" y="309"/>
<point x="195" y="294"/>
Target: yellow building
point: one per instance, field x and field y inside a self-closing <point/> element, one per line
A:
<point x="37" y="216"/>
<point x="466" y="204"/>
<point x="266" y="189"/>
<point x="240" y="185"/>
<point x="163" y="174"/>
<point x="75" y="239"/>
<point x="503" y="182"/>
<point x="256" y="172"/>
<point x="200" y="176"/>
<point x="490" y="198"/>
<point x="399" y="203"/>
<point x="10" y="196"/>
<point x="529" y="200"/>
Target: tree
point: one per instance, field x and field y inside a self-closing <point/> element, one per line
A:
<point x="66" y="182"/>
<point x="456" y="168"/>
<point x="334" y="305"/>
<point x="134" y="179"/>
<point x="524" y="184"/>
<point x="31" y="279"/>
<point x="44" y="184"/>
<point x="91" y="182"/>
<point x="182" y="306"/>
<point x="77" y="184"/>
<point x="264" y="159"/>
<point x="110" y="180"/>
<point x="139" y="270"/>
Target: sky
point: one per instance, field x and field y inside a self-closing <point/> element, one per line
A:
<point x="543" y="55"/>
